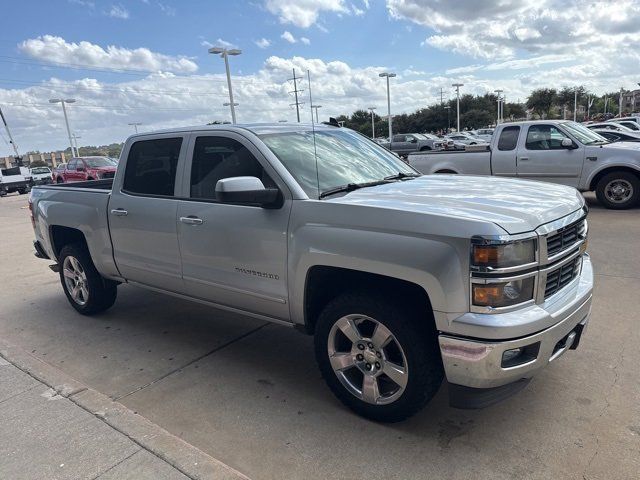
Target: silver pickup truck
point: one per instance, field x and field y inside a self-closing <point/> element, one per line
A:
<point x="404" y="280"/>
<point x="557" y="151"/>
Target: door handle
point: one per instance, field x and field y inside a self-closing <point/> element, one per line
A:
<point x="119" y="212"/>
<point x="523" y="159"/>
<point x="191" y="220"/>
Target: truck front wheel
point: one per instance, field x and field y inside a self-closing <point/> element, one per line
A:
<point x="87" y="291"/>
<point x="618" y="190"/>
<point x="377" y="358"/>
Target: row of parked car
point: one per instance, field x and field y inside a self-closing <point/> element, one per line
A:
<point x="79" y="169"/>
<point x="406" y="143"/>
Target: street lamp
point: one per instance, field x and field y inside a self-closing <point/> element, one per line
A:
<point x="499" y="91"/>
<point x="373" y="123"/>
<point x="135" y="125"/>
<point x="458" y="85"/>
<point x="575" y="104"/>
<point x="224" y="53"/>
<point x="389" y="75"/>
<point x="233" y="112"/>
<point x="64" y="101"/>
<point x="316" y="107"/>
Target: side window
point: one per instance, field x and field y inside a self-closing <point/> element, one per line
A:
<point x="508" y="138"/>
<point x="215" y="158"/>
<point x="398" y="138"/>
<point x="151" y="167"/>
<point x="544" y="137"/>
<point x="72" y="165"/>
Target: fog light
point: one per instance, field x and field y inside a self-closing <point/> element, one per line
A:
<point x="521" y="355"/>
<point x="510" y="355"/>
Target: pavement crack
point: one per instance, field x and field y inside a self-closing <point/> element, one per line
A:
<point x="19" y="393"/>
<point x="191" y="362"/>
<point x="118" y="463"/>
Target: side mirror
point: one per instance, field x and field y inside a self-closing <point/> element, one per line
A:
<point x="567" y="143"/>
<point x="246" y="191"/>
<point x="413" y="140"/>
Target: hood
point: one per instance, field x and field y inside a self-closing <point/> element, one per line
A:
<point x="515" y="205"/>
<point x="623" y="145"/>
<point x="105" y="169"/>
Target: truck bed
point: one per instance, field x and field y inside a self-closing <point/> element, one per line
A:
<point x="470" y="161"/>
<point x="105" y="184"/>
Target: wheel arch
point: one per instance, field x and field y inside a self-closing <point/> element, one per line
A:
<point x="595" y="178"/>
<point x="61" y="236"/>
<point x="324" y="282"/>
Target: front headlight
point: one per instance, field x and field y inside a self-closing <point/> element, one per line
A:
<point x="503" y="293"/>
<point x="504" y="255"/>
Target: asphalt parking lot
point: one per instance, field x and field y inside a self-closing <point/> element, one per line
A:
<point x="250" y="395"/>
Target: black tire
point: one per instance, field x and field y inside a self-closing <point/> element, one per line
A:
<point x="59" y="180"/>
<point x="101" y="293"/>
<point x="424" y="149"/>
<point x="630" y="185"/>
<point x="89" y="178"/>
<point x="416" y="337"/>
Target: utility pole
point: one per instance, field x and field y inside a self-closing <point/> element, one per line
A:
<point x="458" y="85"/>
<point x="64" y="101"/>
<point x="13" y="144"/>
<point x="575" y="104"/>
<point x="441" y="96"/>
<point x="373" y="124"/>
<point x="498" y="92"/>
<point x="75" y="141"/>
<point x="135" y="125"/>
<point x="295" y="91"/>
<point x="448" y="109"/>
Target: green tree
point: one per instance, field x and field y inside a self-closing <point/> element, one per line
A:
<point x="542" y="100"/>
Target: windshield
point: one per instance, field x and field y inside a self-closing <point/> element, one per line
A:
<point x="97" y="162"/>
<point x="40" y="170"/>
<point x="583" y="134"/>
<point x="343" y="157"/>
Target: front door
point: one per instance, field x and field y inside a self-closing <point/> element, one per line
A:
<point x="544" y="158"/>
<point x="232" y="255"/>
<point x="142" y="213"/>
<point x="504" y="151"/>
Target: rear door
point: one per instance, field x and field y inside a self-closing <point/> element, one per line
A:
<point x="542" y="157"/>
<point x="232" y="255"/>
<point x="142" y="212"/>
<point x="70" y="172"/>
<point x="504" y="152"/>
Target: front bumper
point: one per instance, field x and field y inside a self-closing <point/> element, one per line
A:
<point x="478" y="363"/>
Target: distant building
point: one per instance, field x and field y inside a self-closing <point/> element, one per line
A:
<point x="631" y="101"/>
<point x="51" y="159"/>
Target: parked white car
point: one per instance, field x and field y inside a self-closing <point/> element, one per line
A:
<point x="618" y="127"/>
<point x="40" y="175"/>
<point x="15" y="179"/>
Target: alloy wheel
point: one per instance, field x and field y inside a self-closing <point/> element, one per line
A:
<point x="75" y="280"/>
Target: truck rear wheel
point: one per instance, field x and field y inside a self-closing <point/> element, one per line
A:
<point x="618" y="190"/>
<point x="376" y="357"/>
<point x="87" y="291"/>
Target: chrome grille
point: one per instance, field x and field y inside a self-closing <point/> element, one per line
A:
<point x="565" y="237"/>
<point x="561" y="277"/>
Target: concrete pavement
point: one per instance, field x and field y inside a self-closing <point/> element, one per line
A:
<point x="249" y="394"/>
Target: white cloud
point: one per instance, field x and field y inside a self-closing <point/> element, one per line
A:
<point x="303" y="13"/>
<point x="218" y="43"/>
<point x="56" y="49"/>
<point x="305" y="40"/>
<point x="288" y="37"/>
<point x="83" y="3"/>
<point x="263" y="43"/>
<point x="167" y="9"/>
<point x="118" y="11"/>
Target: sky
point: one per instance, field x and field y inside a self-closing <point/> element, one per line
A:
<point x="147" y="61"/>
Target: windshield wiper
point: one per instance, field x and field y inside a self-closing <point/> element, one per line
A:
<point x="350" y="187"/>
<point x="401" y="175"/>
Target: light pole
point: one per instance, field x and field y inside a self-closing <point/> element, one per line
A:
<point x="75" y="141"/>
<point x="64" y="101"/>
<point x="389" y="75"/>
<point x="499" y="91"/>
<point x="233" y="112"/>
<point x="316" y="107"/>
<point x="458" y="85"/>
<point x="135" y="125"/>
<point x="224" y="53"/>
<point x="575" y="104"/>
<point x="448" y="109"/>
<point x="620" y="106"/>
<point x="373" y="123"/>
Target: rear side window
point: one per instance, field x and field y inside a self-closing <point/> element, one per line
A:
<point x="508" y="138"/>
<point x="215" y="158"/>
<point x="151" y="167"/>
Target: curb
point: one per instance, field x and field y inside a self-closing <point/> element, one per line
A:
<point x="182" y="456"/>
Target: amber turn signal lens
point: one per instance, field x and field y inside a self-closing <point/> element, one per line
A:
<point x="487" y="295"/>
<point x="485" y="255"/>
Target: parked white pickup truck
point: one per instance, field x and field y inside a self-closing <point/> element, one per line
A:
<point x="402" y="279"/>
<point x="555" y="151"/>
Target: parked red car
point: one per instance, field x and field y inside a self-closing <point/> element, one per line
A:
<point x="80" y="169"/>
